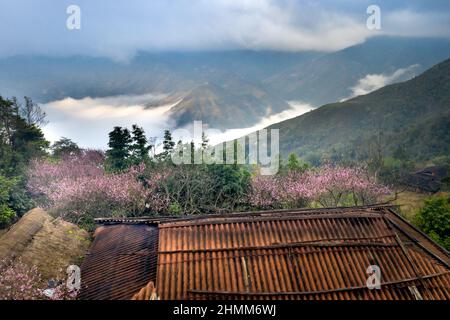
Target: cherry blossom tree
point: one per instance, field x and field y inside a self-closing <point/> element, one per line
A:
<point x="78" y="186"/>
<point x="327" y="186"/>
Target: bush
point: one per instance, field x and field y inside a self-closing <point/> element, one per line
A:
<point x="434" y="219"/>
<point x="19" y="282"/>
<point x="195" y="189"/>
<point x="7" y="214"/>
<point x="175" y="209"/>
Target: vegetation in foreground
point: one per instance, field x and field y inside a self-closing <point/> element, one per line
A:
<point x="19" y="281"/>
<point x="21" y="139"/>
<point x="434" y="219"/>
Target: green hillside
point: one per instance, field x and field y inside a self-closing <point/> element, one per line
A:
<point x="413" y="115"/>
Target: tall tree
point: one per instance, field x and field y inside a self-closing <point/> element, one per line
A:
<point x="20" y="141"/>
<point x="140" y="147"/>
<point x="33" y="113"/>
<point x="168" y="145"/>
<point x="192" y="146"/>
<point x="205" y="141"/>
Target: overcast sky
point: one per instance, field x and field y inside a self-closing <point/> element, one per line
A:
<point x="119" y="28"/>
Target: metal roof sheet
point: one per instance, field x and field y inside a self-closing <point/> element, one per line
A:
<point x="294" y="254"/>
<point x="122" y="259"/>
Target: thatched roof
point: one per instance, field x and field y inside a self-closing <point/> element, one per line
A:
<point x="50" y="244"/>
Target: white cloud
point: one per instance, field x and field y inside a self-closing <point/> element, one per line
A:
<point x="372" y="82"/>
<point x="88" y="121"/>
<point x="297" y="108"/>
<point x="268" y="24"/>
<point x="120" y="30"/>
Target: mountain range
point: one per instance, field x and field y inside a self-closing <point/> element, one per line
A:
<point x="228" y="89"/>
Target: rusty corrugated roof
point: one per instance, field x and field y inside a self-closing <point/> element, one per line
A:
<point x="122" y="259"/>
<point x="297" y="254"/>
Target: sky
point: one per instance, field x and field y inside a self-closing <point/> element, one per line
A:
<point x="119" y="28"/>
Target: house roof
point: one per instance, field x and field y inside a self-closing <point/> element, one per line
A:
<point x="428" y="179"/>
<point x="121" y="260"/>
<point x="294" y="254"/>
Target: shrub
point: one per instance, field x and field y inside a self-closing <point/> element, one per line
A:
<point x="175" y="209"/>
<point x="434" y="219"/>
<point x="19" y="282"/>
<point x="7" y="214"/>
<point x="194" y="189"/>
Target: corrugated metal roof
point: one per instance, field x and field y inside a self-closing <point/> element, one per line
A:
<point x="122" y="259"/>
<point x="300" y="254"/>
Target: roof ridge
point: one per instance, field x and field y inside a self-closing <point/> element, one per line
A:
<point x="279" y="212"/>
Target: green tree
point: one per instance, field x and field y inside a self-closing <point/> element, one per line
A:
<point x="118" y="153"/>
<point x="64" y="146"/>
<point x="168" y="145"/>
<point x="231" y="182"/>
<point x="20" y="141"/>
<point x="140" y="148"/>
<point x="192" y="146"/>
<point x="294" y="164"/>
<point x="6" y="213"/>
<point x="205" y="141"/>
<point x="434" y="219"/>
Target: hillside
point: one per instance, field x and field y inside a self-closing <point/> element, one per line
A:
<point x="330" y="77"/>
<point x="414" y="115"/>
<point x="226" y="107"/>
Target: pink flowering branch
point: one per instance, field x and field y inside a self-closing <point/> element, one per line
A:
<point x="78" y="186"/>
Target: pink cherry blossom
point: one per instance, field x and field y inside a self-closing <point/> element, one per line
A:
<point x="78" y="185"/>
<point x="327" y="186"/>
<point x="19" y="282"/>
